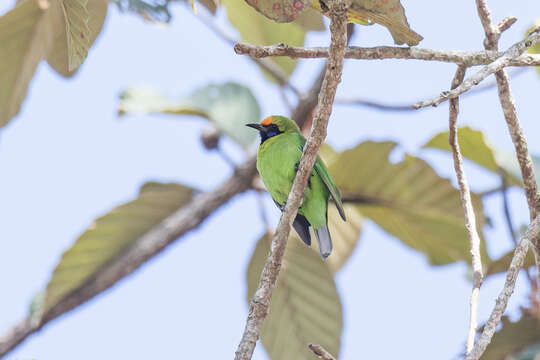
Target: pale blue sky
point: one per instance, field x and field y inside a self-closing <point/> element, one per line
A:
<point x="67" y="158"/>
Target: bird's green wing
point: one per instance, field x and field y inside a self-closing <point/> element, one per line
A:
<point x="327" y="179"/>
<point x="322" y="171"/>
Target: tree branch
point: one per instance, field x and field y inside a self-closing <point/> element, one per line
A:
<point x="465" y="58"/>
<point x="408" y="107"/>
<point x="508" y="216"/>
<point x="531" y="236"/>
<point x="470" y="218"/>
<point x="261" y="300"/>
<point x="321" y="352"/>
<point x="148" y="245"/>
<point x="533" y="232"/>
<point x="510" y="114"/>
<point x="512" y="53"/>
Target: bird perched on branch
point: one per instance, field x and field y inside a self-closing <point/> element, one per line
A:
<point x="278" y="159"/>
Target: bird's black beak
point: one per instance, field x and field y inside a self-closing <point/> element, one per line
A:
<point x="256" y="126"/>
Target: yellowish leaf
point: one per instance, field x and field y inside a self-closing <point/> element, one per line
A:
<point x="111" y="235"/>
<point x="25" y="38"/>
<point x="63" y="54"/>
<point x="390" y="14"/>
<point x="475" y="147"/>
<point x="407" y="199"/>
<point x="305" y="306"/>
<point x="514" y="337"/>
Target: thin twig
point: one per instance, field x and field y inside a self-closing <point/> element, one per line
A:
<point x="532" y="234"/>
<point x="466" y="58"/>
<point x="374" y="105"/>
<point x="491" y="191"/>
<point x="505" y="24"/>
<point x="520" y="143"/>
<point x="470" y="218"/>
<point x="261" y="300"/>
<point x="510" y="114"/>
<point x="512" y="53"/>
<point x="506" y="207"/>
<point x="508" y="217"/>
<point x="321" y="352"/>
<point x="408" y="107"/>
<point x="145" y="247"/>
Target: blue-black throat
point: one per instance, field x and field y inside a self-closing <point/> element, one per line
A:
<point x="269" y="131"/>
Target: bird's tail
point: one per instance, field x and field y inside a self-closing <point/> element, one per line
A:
<point x="325" y="242"/>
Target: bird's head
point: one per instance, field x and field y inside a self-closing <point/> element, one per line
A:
<point x="273" y="126"/>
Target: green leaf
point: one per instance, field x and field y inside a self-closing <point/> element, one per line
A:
<point x="111" y="235"/>
<point x="535" y="49"/>
<point x="256" y="29"/>
<point x="513" y="337"/>
<point x="24" y="39"/>
<point x="305" y="306"/>
<point x="229" y="106"/>
<point x="475" y="147"/>
<point x="408" y="200"/>
<point x="74" y="37"/>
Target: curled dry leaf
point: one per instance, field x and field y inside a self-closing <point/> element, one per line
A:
<point x="388" y="13"/>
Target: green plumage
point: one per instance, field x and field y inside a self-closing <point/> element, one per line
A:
<point x="277" y="160"/>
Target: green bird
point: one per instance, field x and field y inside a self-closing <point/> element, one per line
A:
<point x="278" y="158"/>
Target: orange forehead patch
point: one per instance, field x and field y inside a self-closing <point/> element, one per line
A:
<point x="267" y="121"/>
